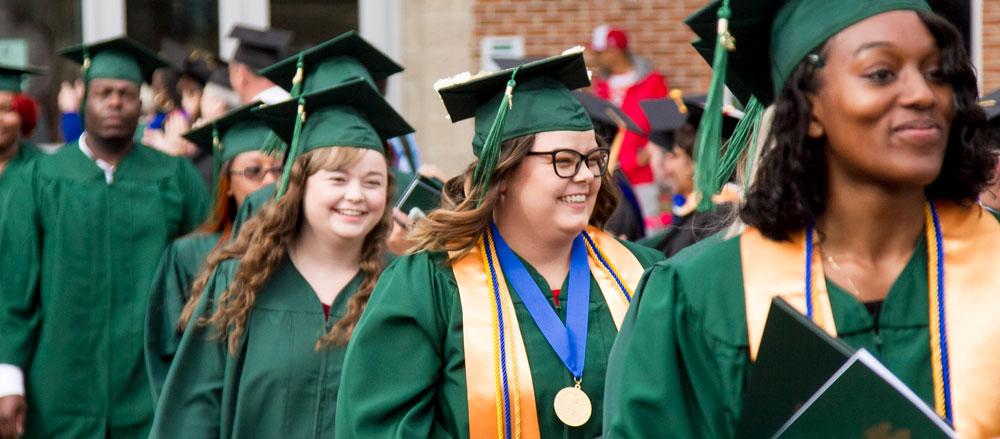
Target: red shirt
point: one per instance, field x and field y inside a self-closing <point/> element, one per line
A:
<point x="654" y="85"/>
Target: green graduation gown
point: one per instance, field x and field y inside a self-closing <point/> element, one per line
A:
<point x="251" y="204"/>
<point x="26" y="154"/>
<point x="680" y="365"/>
<point x="277" y="386"/>
<point x="71" y="314"/>
<point x="179" y="266"/>
<point x="404" y="376"/>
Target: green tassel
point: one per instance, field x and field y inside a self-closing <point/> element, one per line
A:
<point x="85" y="67"/>
<point x="294" y="149"/>
<point x="749" y="169"/>
<point x="709" y="138"/>
<point x="216" y="155"/>
<point x="746" y="131"/>
<point x="489" y="157"/>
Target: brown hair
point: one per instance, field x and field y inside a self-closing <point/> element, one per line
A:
<point x="223" y="208"/>
<point x="263" y="243"/>
<point x="456" y="226"/>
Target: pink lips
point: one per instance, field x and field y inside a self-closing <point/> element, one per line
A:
<point x="919" y="131"/>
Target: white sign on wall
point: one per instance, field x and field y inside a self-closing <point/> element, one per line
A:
<point x="504" y="47"/>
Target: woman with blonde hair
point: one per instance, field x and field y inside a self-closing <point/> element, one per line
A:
<point x="261" y="355"/>
<point x="500" y="324"/>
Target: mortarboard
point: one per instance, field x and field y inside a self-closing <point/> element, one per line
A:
<point x="351" y="114"/>
<point x="11" y="77"/>
<point x="337" y="60"/>
<point x="528" y="99"/>
<point x="991" y="106"/>
<point x="666" y="115"/>
<point x="233" y="133"/>
<point x="117" y="58"/>
<point x="605" y="113"/>
<point x="260" y="48"/>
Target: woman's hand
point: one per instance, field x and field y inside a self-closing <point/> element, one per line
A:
<point x="399" y="243"/>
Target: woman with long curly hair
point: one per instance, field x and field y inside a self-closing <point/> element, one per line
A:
<point x="238" y="140"/>
<point x="262" y="350"/>
<point x="502" y="320"/>
<point x="862" y="216"/>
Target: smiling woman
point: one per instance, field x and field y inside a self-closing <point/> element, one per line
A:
<point x="281" y="301"/>
<point x="862" y="216"/>
<point x="509" y="306"/>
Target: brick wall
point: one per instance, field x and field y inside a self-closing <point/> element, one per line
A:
<point x="991" y="45"/>
<point x="551" y="26"/>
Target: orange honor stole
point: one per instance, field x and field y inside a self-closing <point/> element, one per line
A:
<point x="498" y="376"/>
<point x="970" y="245"/>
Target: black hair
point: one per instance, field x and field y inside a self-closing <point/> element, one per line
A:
<point x="791" y="184"/>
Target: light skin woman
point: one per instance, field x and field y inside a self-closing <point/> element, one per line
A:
<point x="872" y="129"/>
<point x="548" y="192"/>
<point x="280" y="303"/>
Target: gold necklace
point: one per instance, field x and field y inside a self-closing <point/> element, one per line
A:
<point x="850" y="282"/>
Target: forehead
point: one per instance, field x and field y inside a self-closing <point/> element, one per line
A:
<point x="582" y="140"/>
<point x="901" y="30"/>
<point x="112" y="84"/>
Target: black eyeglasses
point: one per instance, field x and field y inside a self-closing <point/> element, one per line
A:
<point x="566" y="162"/>
<point x="257" y="173"/>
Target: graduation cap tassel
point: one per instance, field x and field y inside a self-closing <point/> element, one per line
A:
<point x="84" y="68"/>
<point x="709" y="138"/>
<point x="296" y="90"/>
<point x="216" y="155"/>
<point x="294" y="148"/>
<point x="745" y="132"/>
<point x="490" y="155"/>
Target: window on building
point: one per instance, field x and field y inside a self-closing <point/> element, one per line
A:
<point x="314" y="21"/>
<point x="193" y="23"/>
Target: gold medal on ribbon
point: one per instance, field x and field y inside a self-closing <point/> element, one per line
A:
<point x="573" y="406"/>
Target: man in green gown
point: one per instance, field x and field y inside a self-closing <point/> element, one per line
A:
<point x="86" y="229"/>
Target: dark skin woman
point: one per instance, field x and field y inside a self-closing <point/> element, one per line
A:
<point x="875" y="132"/>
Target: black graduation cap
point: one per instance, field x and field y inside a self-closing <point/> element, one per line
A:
<point x="605" y="113"/>
<point x="260" y="48"/>
<point x="174" y="53"/>
<point x="510" y="63"/>
<point x="991" y="106"/>
<point x="665" y="116"/>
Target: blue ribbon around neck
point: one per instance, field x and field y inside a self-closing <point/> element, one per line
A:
<point x="569" y="341"/>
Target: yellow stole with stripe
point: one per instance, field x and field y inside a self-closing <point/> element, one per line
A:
<point x="485" y="367"/>
<point x="971" y="239"/>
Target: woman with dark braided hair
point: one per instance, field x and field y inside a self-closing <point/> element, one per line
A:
<point x="264" y="343"/>
<point x="877" y="154"/>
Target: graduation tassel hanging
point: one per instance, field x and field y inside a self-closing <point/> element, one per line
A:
<point x="709" y="137"/>
<point x="294" y="148"/>
<point x="746" y="131"/>
<point x="216" y="155"/>
<point x="84" y="69"/>
<point x="490" y="155"/>
<point x="300" y="118"/>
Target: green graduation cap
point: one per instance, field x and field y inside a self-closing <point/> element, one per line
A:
<point x="335" y="61"/>
<point x="753" y="46"/>
<point x="527" y="99"/>
<point x="11" y="77"/>
<point x="351" y="114"/>
<point x="117" y="58"/>
<point x="232" y="134"/>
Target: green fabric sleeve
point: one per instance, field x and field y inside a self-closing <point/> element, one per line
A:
<point x="191" y="403"/>
<point x="398" y="400"/>
<point x="672" y="371"/>
<point x="20" y="255"/>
